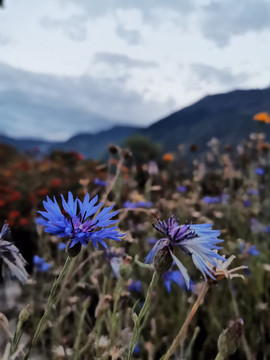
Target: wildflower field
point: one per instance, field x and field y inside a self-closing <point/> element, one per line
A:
<point x="153" y="257"/>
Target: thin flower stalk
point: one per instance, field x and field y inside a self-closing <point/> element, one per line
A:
<point x="140" y="320"/>
<point x="50" y="303"/>
<point x="76" y="354"/>
<point x="184" y="327"/>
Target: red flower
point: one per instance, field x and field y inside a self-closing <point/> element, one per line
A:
<point x="16" y="195"/>
<point x="56" y="182"/>
<point x="43" y="192"/>
<point x="13" y="214"/>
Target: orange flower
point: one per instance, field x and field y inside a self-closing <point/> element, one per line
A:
<point x="168" y="157"/>
<point x="262" y="116"/>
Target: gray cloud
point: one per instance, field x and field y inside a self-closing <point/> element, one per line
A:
<point x="123" y="60"/>
<point x="74" y="27"/>
<point x="131" y="37"/>
<point x="224" y="19"/>
<point x="224" y="76"/>
<point x="55" y="107"/>
<point x="151" y="10"/>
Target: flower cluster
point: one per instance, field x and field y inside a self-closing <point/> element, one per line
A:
<point x="80" y="221"/>
<point x="198" y="241"/>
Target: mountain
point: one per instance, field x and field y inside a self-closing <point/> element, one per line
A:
<point x="229" y="117"/>
<point x="90" y="145"/>
<point x="95" y="145"/>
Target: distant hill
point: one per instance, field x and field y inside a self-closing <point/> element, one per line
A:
<point x="229" y="117"/>
<point x="90" y="145"/>
<point x="225" y="116"/>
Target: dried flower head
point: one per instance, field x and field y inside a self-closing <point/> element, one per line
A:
<point x="221" y="270"/>
<point x="13" y="261"/>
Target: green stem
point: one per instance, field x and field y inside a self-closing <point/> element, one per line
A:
<point x="219" y="357"/>
<point x="49" y="305"/>
<point x="114" y="318"/>
<point x="184" y="327"/>
<point x="79" y="331"/>
<point x="139" y="320"/>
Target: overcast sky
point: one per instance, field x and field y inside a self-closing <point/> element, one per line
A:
<point x="73" y="66"/>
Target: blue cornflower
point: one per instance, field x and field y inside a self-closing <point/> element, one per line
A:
<point x="259" y="171"/>
<point x="252" y="250"/>
<point x="253" y="192"/>
<point x="173" y="276"/>
<point x="99" y="182"/>
<point x="139" y="204"/>
<point x="40" y="264"/>
<point x="246" y="203"/>
<point x="135" y="286"/>
<point x="62" y="246"/>
<point x="199" y="241"/>
<point x="137" y="349"/>
<point x="182" y="189"/>
<point x="267" y="229"/>
<point x="211" y="199"/>
<point x="78" y="224"/>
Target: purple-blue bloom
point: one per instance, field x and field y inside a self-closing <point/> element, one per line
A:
<point x="139" y="204"/>
<point x="78" y="223"/>
<point x="40" y="264"/>
<point x="211" y="199"/>
<point x="62" y="246"/>
<point x="259" y="171"/>
<point x="173" y="276"/>
<point x="252" y="250"/>
<point x="246" y="203"/>
<point x="135" y="286"/>
<point x="267" y="229"/>
<point x="253" y="192"/>
<point x="137" y="349"/>
<point x="198" y="241"/>
<point x="99" y="182"/>
<point x="182" y="189"/>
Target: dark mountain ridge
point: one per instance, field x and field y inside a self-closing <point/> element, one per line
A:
<point x="228" y="116"/>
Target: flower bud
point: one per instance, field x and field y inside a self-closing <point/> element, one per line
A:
<point x="162" y="261"/>
<point x="74" y="250"/>
<point x="103" y="305"/>
<point x="229" y="339"/>
<point x="24" y="314"/>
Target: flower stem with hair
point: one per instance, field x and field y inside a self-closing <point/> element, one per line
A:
<point x="50" y="303"/>
<point x="139" y="320"/>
